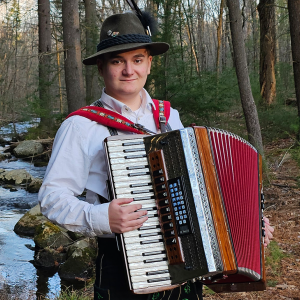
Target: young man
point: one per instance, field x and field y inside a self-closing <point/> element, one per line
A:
<point x="77" y="162"/>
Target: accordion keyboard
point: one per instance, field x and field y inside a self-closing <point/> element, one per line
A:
<point x="147" y="260"/>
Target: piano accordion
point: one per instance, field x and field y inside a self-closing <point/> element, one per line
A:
<point x="202" y="188"/>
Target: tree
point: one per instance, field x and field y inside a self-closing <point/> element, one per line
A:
<point x="92" y="36"/>
<point x="294" y="16"/>
<point x="266" y="9"/>
<point x="45" y="62"/>
<point x="248" y="104"/>
<point x="73" y="64"/>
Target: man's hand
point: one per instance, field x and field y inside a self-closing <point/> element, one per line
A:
<point x="268" y="232"/>
<point x="123" y="218"/>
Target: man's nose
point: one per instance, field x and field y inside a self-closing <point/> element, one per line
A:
<point x="128" y="68"/>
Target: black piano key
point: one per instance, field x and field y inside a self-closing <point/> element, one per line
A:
<point x="154" y="253"/>
<point x="133" y="150"/>
<point x="134" y="185"/>
<point x="149" y="227"/>
<point x="158" y="172"/>
<point x="171" y="241"/>
<point x="167" y="226"/>
<point x="165" y="210"/>
<point x="157" y="272"/>
<point x="143" y="198"/>
<point x="133" y="143"/>
<point x="135" y="156"/>
<point x="159" y="180"/>
<point x="152" y="260"/>
<point x="150" y="234"/>
<point x="163" y="202"/>
<point x="158" y="279"/>
<point x="141" y="191"/>
<point x="160" y="188"/>
<point x="152" y="216"/>
<point x="138" y="174"/>
<point x="166" y="218"/>
<point x="136" y="167"/>
<point x="151" y="241"/>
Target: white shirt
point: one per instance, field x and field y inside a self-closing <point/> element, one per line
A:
<point x="78" y="162"/>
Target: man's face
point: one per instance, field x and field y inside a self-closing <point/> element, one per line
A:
<point x="125" y="73"/>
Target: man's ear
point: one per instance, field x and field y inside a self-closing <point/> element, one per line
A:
<point x="149" y="66"/>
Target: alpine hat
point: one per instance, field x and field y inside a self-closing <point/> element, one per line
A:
<point x="122" y="32"/>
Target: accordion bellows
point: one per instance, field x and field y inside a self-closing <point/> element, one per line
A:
<point x="202" y="189"/>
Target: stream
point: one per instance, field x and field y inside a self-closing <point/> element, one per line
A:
<point x="19" y="279"/>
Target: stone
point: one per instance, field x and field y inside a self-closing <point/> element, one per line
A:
<point x="48" y="258"/>
<point x="26" y="226"/>
<point x="16" y="176"/>
<point x="28" y="148"/>
<point x="34" y="185"/>
<point x="80" y="263"/>
<point x="4" y="156"/>
<point x="51" y="235"/>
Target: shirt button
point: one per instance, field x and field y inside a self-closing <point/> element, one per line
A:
<point x="126" y="108"/>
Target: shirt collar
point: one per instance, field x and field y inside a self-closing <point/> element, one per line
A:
<point x="118" y="106"/>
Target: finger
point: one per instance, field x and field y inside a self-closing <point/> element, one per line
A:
<point x="137" y="215"/>
<point x="135" y="224"/>
<point x="123" y="201"/>
<point x="266" y="220"/>
<point x="132" y="208"/>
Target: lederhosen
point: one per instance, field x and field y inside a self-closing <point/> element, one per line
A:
<point x="111" y="278"/>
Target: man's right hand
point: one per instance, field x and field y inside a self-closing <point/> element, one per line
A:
<point x="123" y="218"/>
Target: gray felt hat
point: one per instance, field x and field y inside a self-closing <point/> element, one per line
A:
<point x="122" y="32"/>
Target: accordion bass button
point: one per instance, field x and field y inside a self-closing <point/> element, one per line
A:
<point x="166" y="218"/>
<point x="167" y="226"/>
<point x="165" y="210"/>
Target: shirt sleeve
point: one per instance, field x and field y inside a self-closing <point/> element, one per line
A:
<point x="66" y="178"/>
<point x="174" y="120"/>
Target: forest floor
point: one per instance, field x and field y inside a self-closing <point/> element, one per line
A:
<point x="282" y="196"/>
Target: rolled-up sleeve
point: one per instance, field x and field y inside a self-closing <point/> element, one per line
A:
<point x="66" y="178"/>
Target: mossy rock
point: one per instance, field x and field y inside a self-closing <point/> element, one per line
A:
<point x="80" y="262"/>
<point x="51" y="235"/>
<point x="49" y="258"/>
<point x="27" y="225"/>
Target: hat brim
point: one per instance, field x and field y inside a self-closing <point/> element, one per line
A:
<point x="156" y="48"/>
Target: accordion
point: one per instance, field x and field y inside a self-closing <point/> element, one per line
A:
<point x="202" y="189"/>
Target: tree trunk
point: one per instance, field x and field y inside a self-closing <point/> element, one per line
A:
<point x="45" y="62"/>
<point x="92" y="37"/>
<point x="294" y="16"/>
<point x="266" y="9"/>
<point x="248" y="104"/>
<point x="219" y="35"/>
<point x="73" y="64"/>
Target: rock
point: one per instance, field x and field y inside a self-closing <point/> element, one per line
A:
<point x="80" y="263"/>
<point x="4" y="156"/>
<point x="34" y="185"/>
<point x="15" y="176"/>
<point x="26" y="226"/>
<point x="51" y="235"/>
<point x="28" y="148"/>
<point x="48" y="258"/>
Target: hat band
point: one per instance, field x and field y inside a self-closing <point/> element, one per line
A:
<point x="123" y="39"/>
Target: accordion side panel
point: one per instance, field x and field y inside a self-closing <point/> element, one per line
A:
<point x="216" y="203"/>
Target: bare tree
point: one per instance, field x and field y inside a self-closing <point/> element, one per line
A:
<point x="91" y="73"/>
<point x="45" y="61"/>
<point x="266" y="9"/>
<point x="248" y="104"/>
<point x="294" y="16"/>
<point x="73" y="64"/>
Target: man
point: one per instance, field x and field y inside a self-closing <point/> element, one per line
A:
<point x="77" y="162"/>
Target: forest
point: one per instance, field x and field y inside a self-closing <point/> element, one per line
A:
<point x="227" y="60"/>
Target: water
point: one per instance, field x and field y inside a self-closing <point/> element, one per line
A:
<point x="18" y="277"/>
<point x="7" y="131"/>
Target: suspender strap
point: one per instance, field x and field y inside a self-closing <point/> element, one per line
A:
<point x="161" y="114"/>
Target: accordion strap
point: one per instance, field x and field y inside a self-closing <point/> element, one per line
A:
<point x="114" y="121"/>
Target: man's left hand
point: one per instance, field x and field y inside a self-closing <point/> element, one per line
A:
<point x="268" y="232"/>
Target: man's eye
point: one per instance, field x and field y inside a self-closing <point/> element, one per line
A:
<point x="116" y="62"/>
<point x="138" y="61"/>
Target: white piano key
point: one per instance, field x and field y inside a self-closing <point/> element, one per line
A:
<point x="124" y="155"/>
<point x="129" y="195"/>
<point x="122" y="148"/>
<point x="140" y="258"/>
<point x="142" y="162"/>
<point x="144" y="239"/>
<point x="146" y="284"/>
<point x="128" y="183"/>
<point x="138" y="272"/>
<point x="121" y="142"/>
<point x="133" y="246"/>
<point x="117" y="173"/>
<point x="132" y="180"/>
<point x="128" y="189"/>
<point x="144" y="278"/>
<point x="141" y="265"/>
<point x="137" y="251"/>
<point x="123" y="161"/>
<point x="137" y="233"/>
